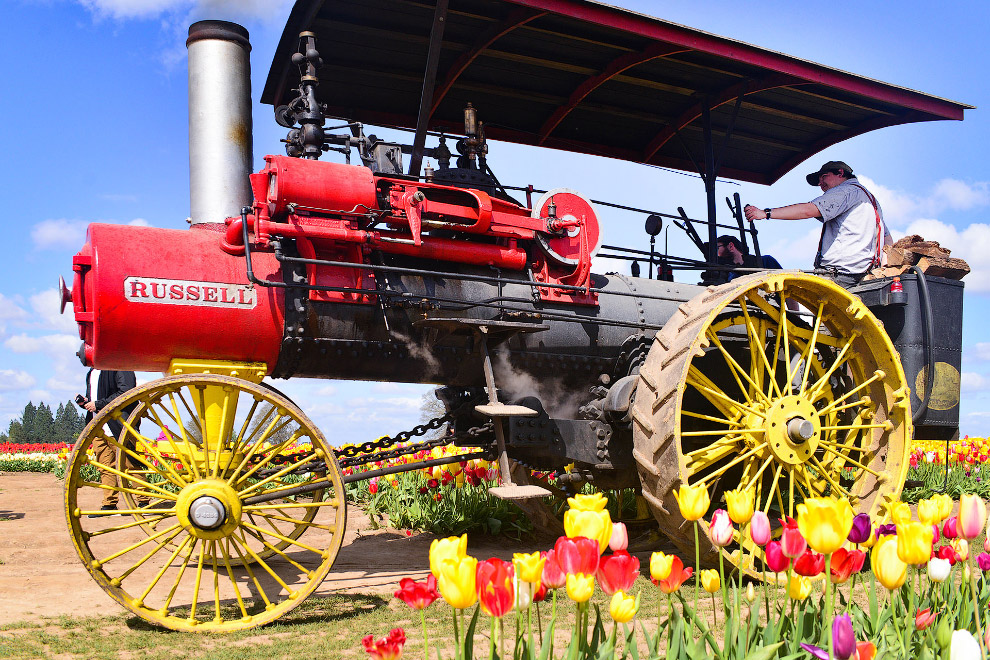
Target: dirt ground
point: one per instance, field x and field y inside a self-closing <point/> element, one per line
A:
<point x="41" y="574"/>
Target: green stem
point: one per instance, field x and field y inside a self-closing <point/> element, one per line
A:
<point x="714" y="622"/>
<point x="766" y="597"/>
<point x="976" y="606"/>
<point x="491" y="641"/>
<point x="426" y="641"/>
<point x="457" y="636"/>
<point x="697" y="569"/>
<point x="828" y="601"/>
<point x="501" y="635"/>
<point x="725" y="593"/>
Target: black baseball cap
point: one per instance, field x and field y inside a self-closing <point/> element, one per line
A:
<point x="830" y="166"/>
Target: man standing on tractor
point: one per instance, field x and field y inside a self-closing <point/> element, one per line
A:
<point x="731" y="251"/>
<point x="853" y="231"/>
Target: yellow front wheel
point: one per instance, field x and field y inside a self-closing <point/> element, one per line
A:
<point x="230" y="505"/>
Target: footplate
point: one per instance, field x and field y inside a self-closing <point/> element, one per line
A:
<point x="518" y="492"/>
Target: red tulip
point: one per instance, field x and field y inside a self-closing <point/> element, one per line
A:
<point x="418" y="595"/>
<point x="809" y="564"/>
<point x="617" y="572"/>
<point x="776" y="560"/>
<point x="845" y="563"/>
<point x="678" y="575"/>
<point x="947" y="552"/>
<point x="924" y="618"/>
<point x="577" y="555"/>
<point x="541" y="593"/>
<point x="386" y="648"/>
<point x="553" y="576"/>
<point x="494" y="585"/>
<point x="792" y="543"/>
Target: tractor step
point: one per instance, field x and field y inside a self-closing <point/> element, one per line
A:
<point x="518" y="492"/>
<point x="504" y="410"/>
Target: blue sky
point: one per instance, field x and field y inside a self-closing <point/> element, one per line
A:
<point x="93" y="127"/>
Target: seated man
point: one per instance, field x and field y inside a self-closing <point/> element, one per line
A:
<point x="732" y="251"/>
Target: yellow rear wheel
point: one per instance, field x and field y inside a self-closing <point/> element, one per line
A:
<point x="231" y="505"/>
<point x="807" y="402"/>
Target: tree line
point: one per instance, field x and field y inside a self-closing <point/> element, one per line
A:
<point x="39" y="424"/>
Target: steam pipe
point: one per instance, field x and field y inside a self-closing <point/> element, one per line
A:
<point x="220" y="131"/>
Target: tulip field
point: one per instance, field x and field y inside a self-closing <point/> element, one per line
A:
<point x="836" y="583"/>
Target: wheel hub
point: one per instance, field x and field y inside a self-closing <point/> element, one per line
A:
<point x="209" y="509"/>
<point x="792" y="429"/>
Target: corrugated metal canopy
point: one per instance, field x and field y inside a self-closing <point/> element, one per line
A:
<point x="587" y="77"/>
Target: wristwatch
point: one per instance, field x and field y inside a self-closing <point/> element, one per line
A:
<point x="767" y="211"/>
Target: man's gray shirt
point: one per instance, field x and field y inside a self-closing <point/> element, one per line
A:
<point x="849" y="241"/>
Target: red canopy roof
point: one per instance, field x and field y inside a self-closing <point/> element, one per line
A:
<point x="588" y="77"/>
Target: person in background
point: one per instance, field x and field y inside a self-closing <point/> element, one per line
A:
<point x="732" y="251"/>
<point x="853" y="231"/>
<point x="102" y="387"/>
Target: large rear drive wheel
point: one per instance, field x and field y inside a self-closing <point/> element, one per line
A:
<point x="230" y="505"/>
<point x="736" y="393"/>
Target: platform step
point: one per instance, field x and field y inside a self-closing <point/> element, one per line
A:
<point x="517" y="492"/>
<point x="504" y="410"/>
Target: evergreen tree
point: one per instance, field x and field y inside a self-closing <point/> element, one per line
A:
<point x="26" y="431"/>
<point x="16" y="431"/>
<point x="44" y="424"/>
<point x="65" y="423"/>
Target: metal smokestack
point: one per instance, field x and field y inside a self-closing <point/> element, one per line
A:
<point x="220" y="143"/>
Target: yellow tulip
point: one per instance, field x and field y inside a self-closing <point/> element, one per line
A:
<point x="825" y="522"/>
<point x="580" y="587"/>
<point x="710" y="580"/>
<point x="693" y="501"/>
<point x="900" y="513"/>
<point x="452" y="547"/>
<point x="740" y="503"/>
<point x="928" y="511"/>
<point x="623" y="607"/>
<point x="529" y="567"/>
<point x="799" y="587"/>
<point x="592" y="502"/>
<point x="944" y="506"/>
<point x="660" y="565"/>
<point x="961" y="548"/>
<point x="457" y="582"/>
<point x="595" y="525"/>
<point x="887" y="566"/>
<point x="914" y="542"/>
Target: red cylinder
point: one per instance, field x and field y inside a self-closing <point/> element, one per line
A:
<point x="313" y="184"/>
<point x="143" y="296"/>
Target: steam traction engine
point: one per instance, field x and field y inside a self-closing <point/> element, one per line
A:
<point x="234" y="501"/>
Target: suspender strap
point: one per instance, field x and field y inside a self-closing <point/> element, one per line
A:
<point x="875" y="263"/>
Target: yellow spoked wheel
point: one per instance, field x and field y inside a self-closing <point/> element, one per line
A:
<point x="783" y="383"/>
<point x="231" y="507"/>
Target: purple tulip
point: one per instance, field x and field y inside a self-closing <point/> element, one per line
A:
<point x="843" y="637"/>
<point x="861" y="528"/>
<point x="815" y="651"/>
<point x="984" y="561"/>
<point x="886" y="530"/>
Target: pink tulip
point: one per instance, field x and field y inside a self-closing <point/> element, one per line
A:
<point x="620" y="537"/>
<point x="950" y="529"/>
<point x="972" y="516"/>
<point x="759" y="528"/>
<point x="721" y="528"/>
<point x="775" y="558"/>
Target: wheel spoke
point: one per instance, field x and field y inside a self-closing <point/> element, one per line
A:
<point x="247" y="566"/>
<point x="733" y="462"/>
<point x="185" y="436"/>
<point x="165" y="566"/>
<point x="711" y="418"/>
<point x="199" y="573"/>
<point x="809" y="354"/>
<point x="758" y="345"/>
<point x="693" y="434"/>
<point x="825" y="473"/>
<point x="735" y="369"/>
<point x="282" y="537"/>
<point x="839" y="360"/>
<point x="225" y="549"/>
<point x="848" y="459"/>
<point x="159" y="491"/>
<point x="705" y="385"/>
<point x="877" y="375"/>
<point x="182" y="571"/>
<point x="752" y="482"/>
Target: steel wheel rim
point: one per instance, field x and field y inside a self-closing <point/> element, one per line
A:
<point x="855" y="372"/>
<point x="170" y="567"/>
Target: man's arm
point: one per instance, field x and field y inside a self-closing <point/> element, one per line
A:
<point x="801" y="211"/>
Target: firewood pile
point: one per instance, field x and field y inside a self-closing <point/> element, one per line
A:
<point x="930" y="257"/>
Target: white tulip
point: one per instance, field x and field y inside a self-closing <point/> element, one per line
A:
<point x="938" y="569"/>
<point x="964" y="646"/>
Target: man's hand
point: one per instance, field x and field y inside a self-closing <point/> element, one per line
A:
<point x="90" y="406"/>
<point x="753" y="213"/>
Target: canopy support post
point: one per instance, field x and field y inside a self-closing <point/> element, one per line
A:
<point x="429" y="81"/>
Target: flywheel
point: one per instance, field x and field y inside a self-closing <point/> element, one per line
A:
<point x="783" y="383"/>
<point x="229" y="504"/>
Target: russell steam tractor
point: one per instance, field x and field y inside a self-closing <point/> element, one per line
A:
<point x="233" y="501"/>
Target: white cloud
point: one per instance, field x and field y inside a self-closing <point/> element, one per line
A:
<point x="46" y="306"/>
<point x="974" y="382"/>
<point x="139" y="222"/>
<point x="10" y="310"/>
<point x="59" y="234"/>
<point x="901" y="208"/>
<point x="52" y="345"/>
<point x="13" y="379"/>
<point x="982" y="350"/>
<point x="971" y="244"/>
